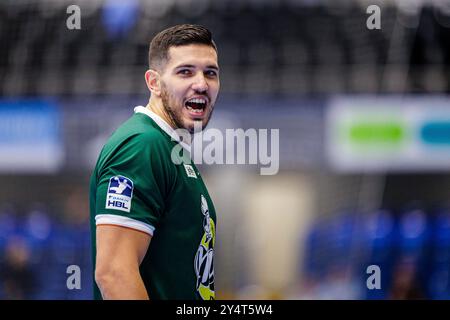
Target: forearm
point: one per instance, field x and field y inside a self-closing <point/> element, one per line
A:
<point x="122" y="286"/>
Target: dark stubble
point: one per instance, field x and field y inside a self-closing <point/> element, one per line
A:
<point x="175" y="115"/>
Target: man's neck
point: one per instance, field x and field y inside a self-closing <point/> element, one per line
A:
<point x="158" y="109"/>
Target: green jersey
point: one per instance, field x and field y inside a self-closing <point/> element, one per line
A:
<point x="135" y="184"/>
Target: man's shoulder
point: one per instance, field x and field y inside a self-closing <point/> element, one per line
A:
<point x="141" y="129"/>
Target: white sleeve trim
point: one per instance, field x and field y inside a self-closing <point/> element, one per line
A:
<point x="124" y="222"/>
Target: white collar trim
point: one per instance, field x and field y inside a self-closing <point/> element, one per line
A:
<point x="163" y="125"/>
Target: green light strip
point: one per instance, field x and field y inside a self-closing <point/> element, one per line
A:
<point x="375" y="133"/>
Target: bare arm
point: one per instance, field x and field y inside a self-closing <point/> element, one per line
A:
<point x="120" y="251"/>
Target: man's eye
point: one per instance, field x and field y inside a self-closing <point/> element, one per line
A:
<point x="184" y="72"/>
<point x="211" y="73"/>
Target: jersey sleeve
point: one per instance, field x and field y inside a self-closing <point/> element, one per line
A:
<point x="132" y="185"/>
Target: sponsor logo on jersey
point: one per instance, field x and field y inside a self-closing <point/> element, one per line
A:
<point x="190" y="171"/>
<point x="204" y="258"/>
<point x="120" y="193"/>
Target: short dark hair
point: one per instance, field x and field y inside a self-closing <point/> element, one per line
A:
<point x="179" y="35"/>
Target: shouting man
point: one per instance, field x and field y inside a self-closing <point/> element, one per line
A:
<point x="152" y="219"/>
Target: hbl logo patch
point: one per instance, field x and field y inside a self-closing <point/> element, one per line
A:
<point x="120" y="192"/>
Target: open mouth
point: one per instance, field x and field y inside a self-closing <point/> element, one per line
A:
<point x="196" y="106"/>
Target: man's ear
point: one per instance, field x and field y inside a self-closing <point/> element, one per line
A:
<point x="152" y="78"/>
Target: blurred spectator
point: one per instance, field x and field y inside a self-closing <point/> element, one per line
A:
<point x="16" y="276"/>
<point x="413" y="232"/>
<point x="119" y="17"/>
<point x="405" y="283"/>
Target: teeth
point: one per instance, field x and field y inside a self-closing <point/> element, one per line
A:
<point x="198" y="100"/>
<point x="195" y="110"/>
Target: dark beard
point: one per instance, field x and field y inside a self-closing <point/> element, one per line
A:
<point x="173" y="116"/>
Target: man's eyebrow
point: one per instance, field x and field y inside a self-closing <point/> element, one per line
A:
<point x="192" y="66"/>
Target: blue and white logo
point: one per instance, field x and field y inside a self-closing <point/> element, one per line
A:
<point x="120" y="193"/>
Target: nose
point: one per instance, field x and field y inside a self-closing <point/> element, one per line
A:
<point x="200" y="84"/>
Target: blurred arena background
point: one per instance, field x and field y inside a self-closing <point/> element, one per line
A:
<point x="364" y="119"/>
